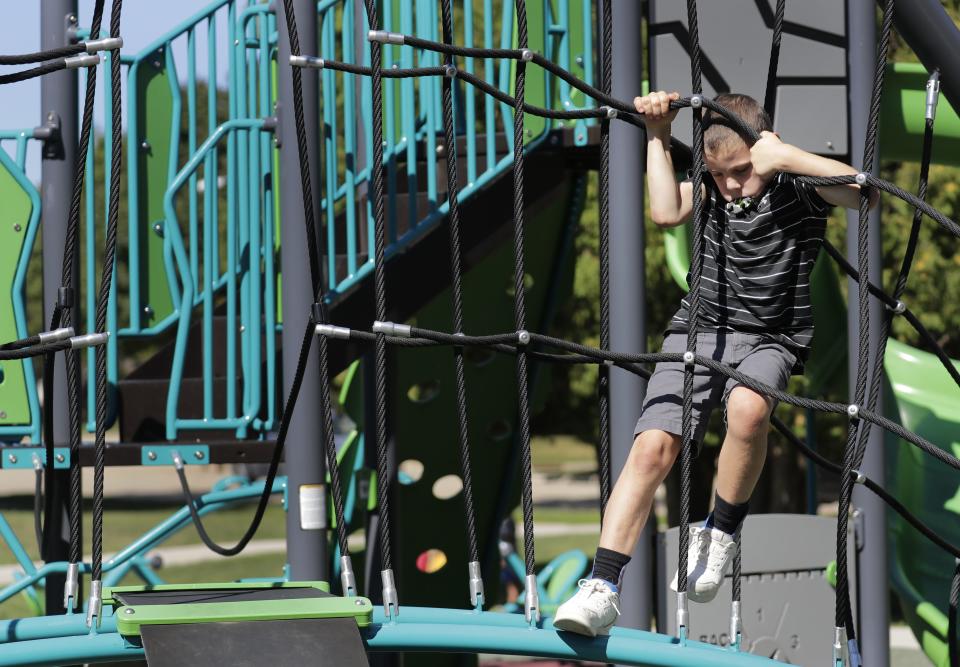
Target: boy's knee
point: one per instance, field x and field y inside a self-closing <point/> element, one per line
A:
<point x="747" y="411"/>
<point x="654" y="452"/>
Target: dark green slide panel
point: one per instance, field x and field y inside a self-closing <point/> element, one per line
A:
<point x="154" y="119"/>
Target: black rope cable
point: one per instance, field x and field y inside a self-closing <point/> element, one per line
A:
<point x="886" y="322"/>
<point x="63" y="315"/>
<point x="103" y="299"/>
<point x="519" y="308"/>
<point x="38" y="506"/>
<point x="40" y="56"/>
<point x="686" y="452"/>
<point x="285" y="419"/>
<point x="770" y="96"/>
<point x="860" y="478"/>
<point x="952" y="651"/>
<point x="34" y="72"/>
<point x="456" y="289"/>
<point x="603" y="372"/>
<point x="604" y="357"/>
<point x="380" y="291"/>
<point x="844" y="615"/>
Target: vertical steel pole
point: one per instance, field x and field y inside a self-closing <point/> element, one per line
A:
<point x="872" y="588"/>
<point x="305" y="462"/>
<point x="628" y="291"/>
<point x="58" y="103"/>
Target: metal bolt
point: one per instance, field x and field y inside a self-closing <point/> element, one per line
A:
<point x="243" y="328"/>
<point x="358" y="602"/>
<point x="12" y="458"/>
<point x="198" y="455"/>
<point x="236" y="42"/>
<point x="148" y="311"/>
<point x="17" y="227"/>
<point x="129" y="610"/>
<point x="51" y="116"/>
<point x="156" y="63"/>
<point x="3" y="414"/>
<point x="689" y="358"/>
<point x="152" y="455"/>
<point x="696" y="101"/>
<point x="861" y="178"/>
<point x="830" y="145"/>
<point x="158" y="228"/>
<point x="72" y="18"/>
<point x="580" y="60"/>
<point x="145" y="145"/>
<point x="60" y="458"/>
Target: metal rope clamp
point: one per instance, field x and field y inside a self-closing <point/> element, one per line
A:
<point x="689" y="358"/>
<point x="696" y="101"/>
<point x="389" y="593"/>
<point x="853" y="411"/>
<point x="899" y="308"/>
<point x="523" y="337"/>
<point x="526" y="55"/>
<point x="347" y="579"/>
<point x="862" y="179"/>
<point x="450" y="71"/>
<point x="610" y="112"/>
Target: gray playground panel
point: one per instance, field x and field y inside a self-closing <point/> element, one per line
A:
<point x="811" y="106"/>
<point x="787" y="604"/>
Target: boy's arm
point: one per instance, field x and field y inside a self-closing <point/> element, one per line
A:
<point x="770" y="155"/>
<point x="670" y="202"/>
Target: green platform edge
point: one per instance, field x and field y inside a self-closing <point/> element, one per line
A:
<point x="130" y="618"/>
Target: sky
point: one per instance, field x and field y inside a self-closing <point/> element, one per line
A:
<point x="142" y="22"/>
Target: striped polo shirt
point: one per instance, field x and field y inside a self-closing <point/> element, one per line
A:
<point x="757" y="264"/>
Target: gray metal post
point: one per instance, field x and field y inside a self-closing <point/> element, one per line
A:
<point x="627" y="290"/>
<point x="58" y="104"/>
<point x="873" y="631"/>
<point x="305" y="462"/>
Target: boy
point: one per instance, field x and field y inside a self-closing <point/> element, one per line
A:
<point x="762" y="236"/>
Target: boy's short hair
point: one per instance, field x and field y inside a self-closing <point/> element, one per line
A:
<point x="718" y="134"/>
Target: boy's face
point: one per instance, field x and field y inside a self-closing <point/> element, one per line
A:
<point x="733" y="173"/>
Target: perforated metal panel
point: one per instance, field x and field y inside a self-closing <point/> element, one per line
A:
<point x="787" y="603"/>
<point x="735" y="38"/>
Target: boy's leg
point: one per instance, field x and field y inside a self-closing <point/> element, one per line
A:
<point x="648" y="463"/>
<point x="744" y="448"/>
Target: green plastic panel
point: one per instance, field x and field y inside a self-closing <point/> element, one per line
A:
<point x="154" y="119"/>
<point x="130" y="618"/>
<point x="426" y="415"/>
<point x="15" y="214"/>
<point x="928" y="403"/>
<point x="902" y="119"/>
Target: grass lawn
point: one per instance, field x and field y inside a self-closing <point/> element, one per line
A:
<point x="554" y="453"/>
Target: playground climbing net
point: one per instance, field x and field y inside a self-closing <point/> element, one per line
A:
<point x="522" y="343"/>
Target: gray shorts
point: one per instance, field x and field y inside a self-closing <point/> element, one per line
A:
<point x="753" y="355"/>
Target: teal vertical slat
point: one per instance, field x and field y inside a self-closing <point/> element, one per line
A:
<point x="133" y="197"/>
<point x="470" y="94"/>
<point x="329" y="78"/>
<point x="409" y="114"/>
<point x="426" y="25"/>
<point x="349" y="144"/>
<point x="191" y="149"/>
<point x="490" y="121"/>
<point x="270" y="277"/>
<point x="112" y="346"/>
<point x="210" y="174"/>
<point x="231" y="222"/>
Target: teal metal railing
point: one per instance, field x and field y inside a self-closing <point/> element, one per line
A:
<point x="202" y="228"/>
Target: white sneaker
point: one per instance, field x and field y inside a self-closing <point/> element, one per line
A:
<point x="709" y="559"/>
<point x="592" y="611"/>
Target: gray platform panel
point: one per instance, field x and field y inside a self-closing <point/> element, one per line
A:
<point x="735" y="39"/>
<point x="324" y="642"/>
<point x="787" y="603"/>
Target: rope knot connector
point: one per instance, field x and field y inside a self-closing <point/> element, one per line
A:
<point x="392" y="329"/>
<point x="523" y="337"/>
<point x="526" y="55"/>
<point x="609" y="111"/>
<point x="899" y="308"/>
<point x="85" y="60"/>
<point x="306" y="61"/>
<point x="853" y="411"/>
<point x="331" y="331"/>
<point x="689" y="358"/>
<point x="696" y="101"/>
<point x="859" y="477"/>
<point x="450" y="71"/>
<point x="861" y="178"/>
<point x="385" y="37"/>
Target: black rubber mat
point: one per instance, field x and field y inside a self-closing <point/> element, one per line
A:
<point x="218" y="595"/>
<point x="323" y="642"/>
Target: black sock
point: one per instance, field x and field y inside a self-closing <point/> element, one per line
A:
<point x="726" y="516"/>
<point x="609" y="564"/>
